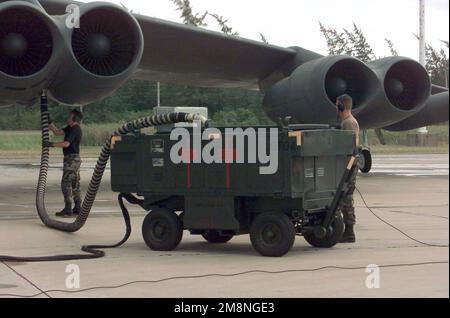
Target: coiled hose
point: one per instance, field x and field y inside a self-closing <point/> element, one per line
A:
<point x="94" y="185"/>
<point x="96" y="179"/>
<point x="92" y="250"/>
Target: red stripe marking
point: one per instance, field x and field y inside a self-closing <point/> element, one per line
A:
<point x="228" y="178"/>
<point x="228" y="154"/>
<point x="188" y="175"/>
<point x="188" y="156"/>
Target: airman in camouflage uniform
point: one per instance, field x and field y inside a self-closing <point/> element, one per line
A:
<point x="347" y="204"/>
<point x="344" y="104"/>
<point x="70" y="182"/>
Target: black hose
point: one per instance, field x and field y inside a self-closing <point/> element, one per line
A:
<point x="92" y="250"/>
<point x="156" y="120"/>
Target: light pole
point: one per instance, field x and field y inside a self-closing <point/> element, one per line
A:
<point x="422" y="40"/>
<point x="422" y="48"/>
<point x="158" y="94"/>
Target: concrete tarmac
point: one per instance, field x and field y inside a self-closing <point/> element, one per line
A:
<point x="410" y="192"/>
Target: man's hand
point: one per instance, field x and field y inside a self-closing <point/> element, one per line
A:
<point x="47" y="144"/>
<point x="54" y="129"/>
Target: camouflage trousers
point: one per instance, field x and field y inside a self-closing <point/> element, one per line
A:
<point x="347" y="206"/>
<point x="70" y="182"/>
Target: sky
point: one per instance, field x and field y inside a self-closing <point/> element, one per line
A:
<point x="296" y="22"/>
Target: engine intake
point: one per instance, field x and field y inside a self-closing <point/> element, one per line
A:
<point x="100" y="56"/>
<point x="26" y="42"/>
<point x="406" y="87"/>
<point x="309" y="94"/>
<point x="28" y="48"/>
<point x="106" y="43"/>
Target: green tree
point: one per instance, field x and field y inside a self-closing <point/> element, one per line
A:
<point x="358" y="44"/>
<point x="188" y="15"/>
<point x="437" y="65"/>
<point x="348" y="42"/>
<point x="336" y="41"/>
<point x="223" y="23"/>
<point x="263" y="38"/>
<point x="391" y="46"/>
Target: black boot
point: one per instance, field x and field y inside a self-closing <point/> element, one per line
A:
<point x="77" y="209"/>
<point x="349" y="234"/>
<point x="66" y="212"/>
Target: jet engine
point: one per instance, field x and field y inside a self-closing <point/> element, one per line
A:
<point x="76" y="64"/>
<point x="309" y="94"/>
<point x="30" y="45"/>
<point x="99" y="56"/>
<point x="434" y="112"/>
<point x="405" y="88"/>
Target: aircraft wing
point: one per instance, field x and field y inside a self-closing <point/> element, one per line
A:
<point x="110" y="47"/>
<point x="182" y="54"/>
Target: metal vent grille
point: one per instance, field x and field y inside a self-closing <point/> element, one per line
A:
<point x="105" y="43"/>
<point x="26" y="42"/>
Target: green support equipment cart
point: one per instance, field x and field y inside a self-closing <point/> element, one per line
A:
<point x="221" y="200"/>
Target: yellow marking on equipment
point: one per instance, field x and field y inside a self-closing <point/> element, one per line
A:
<point x="350" y="164"/>
<point x="298" y="135"/>
<point x="115" y="139"/>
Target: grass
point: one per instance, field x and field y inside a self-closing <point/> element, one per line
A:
<point x="93" y="136"/>
<point x="441" y="133"/>
<point x="27" y="144"/>
<point x="398" y="149"/>
<point x="20" y="140"/>
<point x="35" y="153"/>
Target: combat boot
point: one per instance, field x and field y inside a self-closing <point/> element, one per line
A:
<point x="66" y="212"/>
<point x="349" y="234"/>
<point x="77" y="209"/>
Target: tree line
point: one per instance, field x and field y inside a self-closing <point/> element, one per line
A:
<point x="354" y="43"/>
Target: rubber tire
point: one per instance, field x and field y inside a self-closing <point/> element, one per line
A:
<point x="367" y="159"/>
<point x="330" y="240"/>
<point x="285" y="228"/>
<point x="213" y="236"/>
<point x="173" y="225"/>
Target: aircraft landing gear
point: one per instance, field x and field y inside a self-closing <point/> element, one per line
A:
<point x="365" y="160"/>
<point x="365" y="157"/>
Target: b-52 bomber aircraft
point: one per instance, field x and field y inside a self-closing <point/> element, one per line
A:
<point x="78" y="65"/>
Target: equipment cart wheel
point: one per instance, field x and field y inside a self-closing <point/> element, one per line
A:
<point x="272" y="234"/>
<point x="162" y="230"/>
<point x="213" y="236"/>
<point x="331" y="238"/>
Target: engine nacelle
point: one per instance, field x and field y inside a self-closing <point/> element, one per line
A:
<point x="434" y="112"/>
<point x="405" y="88"/>
<point x="75" y="65"/>
<point x="309" y="94"/>
<point x="99" y="56"/>
<point x="30" y="43"/>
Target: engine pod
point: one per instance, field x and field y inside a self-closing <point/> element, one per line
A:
<point x="309" y="94"/>
<point x="30" y="43"/>
<point x="100" y="55"/>
<point x="434" y="112"/>
<point x="405" y="88"/>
